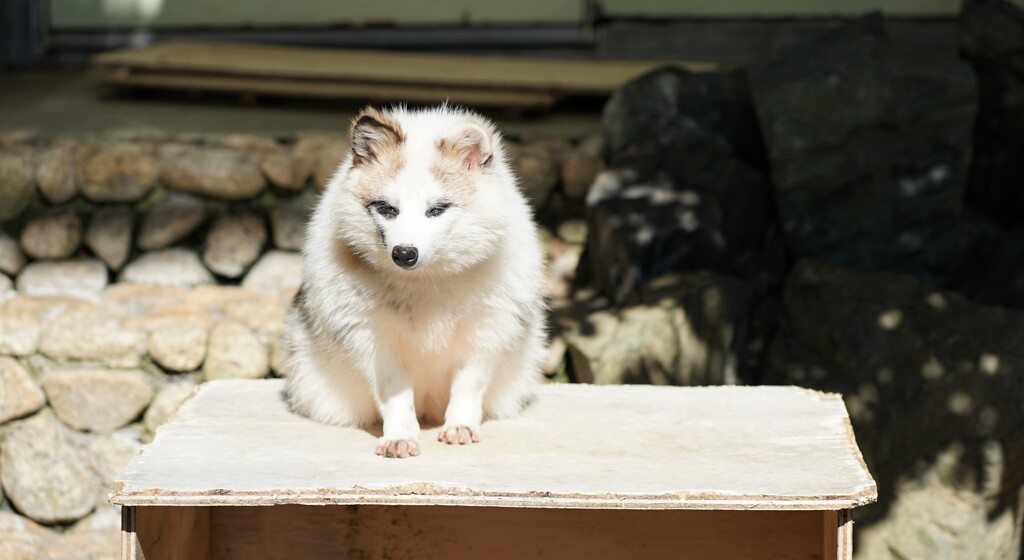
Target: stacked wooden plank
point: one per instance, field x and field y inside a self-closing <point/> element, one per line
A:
<point x="284" y="71"/>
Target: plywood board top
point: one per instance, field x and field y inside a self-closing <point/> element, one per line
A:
<point x="365" y="66"/>
<point x="576" y="446"/>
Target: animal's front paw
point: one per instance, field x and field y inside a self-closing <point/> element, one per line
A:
<point x="458" y="434"/>
<point x="398" y="448"/>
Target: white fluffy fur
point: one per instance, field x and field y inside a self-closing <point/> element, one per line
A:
<point x="457" y="339"/>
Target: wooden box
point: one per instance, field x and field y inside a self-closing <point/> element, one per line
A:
<point x="587" y="472"/>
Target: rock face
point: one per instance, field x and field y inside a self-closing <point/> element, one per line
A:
<point x="216" y="172"/>
<point x="537" y="169"/>
<point x="324" y="153"/>
<point x="16" y="183"/>
<point x="932" y="383"/>
<point x="688" y="330"/>
<point x="869" y="141"/>
<point x="43" y="475"/>
<point x="581" y="166"/>
<point x="276" y="272"/>
<point x="685" y="190"/>
<point x="11" y="257"/>
<point x="166" y="403"/>
<point x="235" y="353"/>
<point x="80" y="278"/>
<point x="288" y="220"/>
<point x="117" y="173"/>
<point x="170" y="220"/>
<point x="97" y="400"/>
<point x="20" y="538"/>
<point x="992" y="39"/>
<point x="109" y="236"/>
<point x="178" y="346"/>
<point x="19" y="330"/>
<point x="234" y="243"/>
<point x="286" y="171"/>
<point x="92" y="335"/>
<point x="109" y="453"/>
<point x="52" y="235"/>
<point x="21" y="396"/>
<point x="55" y="175"/>
<point x="999" y="279"/>
<point x="169" y="268"/>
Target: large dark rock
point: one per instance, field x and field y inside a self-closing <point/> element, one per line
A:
<point x="685" y="190"/>
<point x="648" y="119"/>
<point x="993" y="40"/>
<point x="689" y="329"/>
<point x="869" y="141"/>
<point x="933" y="384"/>
<point x="998" y="276"/>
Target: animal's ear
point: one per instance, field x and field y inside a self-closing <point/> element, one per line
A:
<point x="472" y="144"/>
<point x="373" y="133"/>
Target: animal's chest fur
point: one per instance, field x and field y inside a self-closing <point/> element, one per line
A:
<point x="431" y="341"/>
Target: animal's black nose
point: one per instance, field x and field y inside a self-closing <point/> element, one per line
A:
<point x="404" y="257"/>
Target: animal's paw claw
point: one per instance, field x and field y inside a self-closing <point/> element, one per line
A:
<point x="398" y="448"/>
<point x="458" y="434"/>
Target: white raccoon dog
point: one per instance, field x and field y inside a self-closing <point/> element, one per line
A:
<point x="421" y="296"/>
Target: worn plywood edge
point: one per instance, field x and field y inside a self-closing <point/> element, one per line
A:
<point x="826" y="396"/>
<point x="432" y="494"/>
<point x="872" y="490"/>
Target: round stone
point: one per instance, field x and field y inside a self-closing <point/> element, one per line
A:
<point x="166" y="403"/>
<point x="109" y="235"/>
<point x="215" y="172"/>
<point x="43" y="475"/>
<point x="55" y="175"/>
<point x="234" y="243"/>
<point x="235" y="353"/>
<point x="20" y="396"/>
<point x="52" y="235"/>
<point x="93" y="335"/>
<point x="286" y="172"/>
<point x="97" y="400"/>
<point x="276" y="272"/>
<point x="117" y="173"/>
<point x="79" y="278"/>
<point x="11" y="257"/>
<point x="170" y="268"/>
<point x="170" y="220"/>
<point x="178" y="346"/>
<point x="16" y="183"/>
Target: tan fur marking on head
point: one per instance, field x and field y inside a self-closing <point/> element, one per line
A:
<point x="373" y="136"/>
<point x="377" y="176"/>
<point x="469" y="150"/>
<point x="454" y="178"/>
<point x="377" y="152"/>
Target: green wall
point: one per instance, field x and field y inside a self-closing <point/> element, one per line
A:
<point x="197" y="13"/>
<point x="777" y="8"/>
<point x="231" y="13"/>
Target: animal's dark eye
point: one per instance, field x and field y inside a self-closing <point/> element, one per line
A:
<point x="438" y="209"/>
<point x="384" y="209"/>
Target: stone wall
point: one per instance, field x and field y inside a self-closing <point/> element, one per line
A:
<point x="186" y="211"/>
<point x="86" y="382"/>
